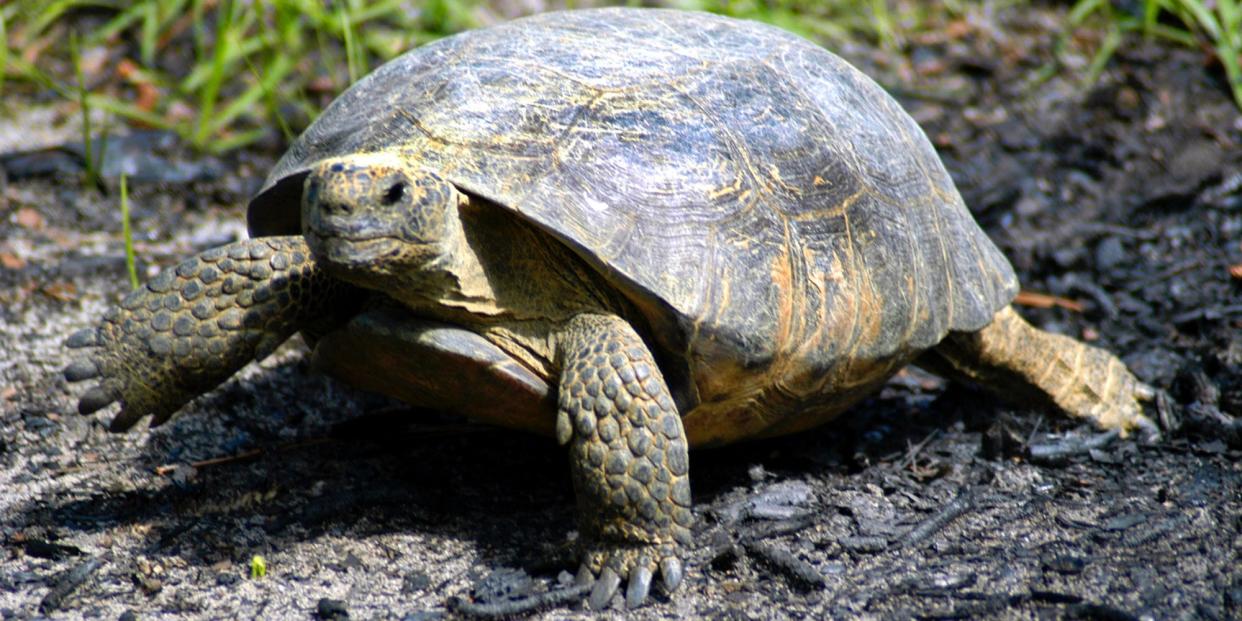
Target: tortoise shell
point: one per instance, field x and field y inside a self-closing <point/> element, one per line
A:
<point x="786" y="228"/>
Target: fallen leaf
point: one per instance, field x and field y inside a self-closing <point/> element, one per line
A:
<point x="958" y="29"/>
<point x="321" y="84"/>
<point x="29" y="218"/>
<point x="60" y="291"/>
<point x="11" y="261"/>
<point x="147" y="95"/>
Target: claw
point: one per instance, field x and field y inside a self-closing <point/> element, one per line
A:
<point x="1166" y="413"/>
<point x="80" y="370"/>
<point x="605" y="588"/>
<point x="671" y="573"/>
<point x="1144" y="392"/>
<point x="95" y="399"/>
<point x="639" y="586"/>
<point x="86" y="337"/>
<point x="125" y="419"/>
<point x="1149" y="432"/>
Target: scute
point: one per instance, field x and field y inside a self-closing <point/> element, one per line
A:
<point x="787" y="227"/>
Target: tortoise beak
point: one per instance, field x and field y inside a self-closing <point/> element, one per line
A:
<point x="339" y="253"/>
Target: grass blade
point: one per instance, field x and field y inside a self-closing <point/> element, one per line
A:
<point x="150" y="33"/>
<point x="128" y="234"/>
<point x="4" y="53"/>
<point x="353" y="62"/>
<point x="84" y="104"/>
<point x="276" y="72"/>
<point x="219" y="63"/>
<point x="1112" y="39"/>
<point x="129" y="111"/>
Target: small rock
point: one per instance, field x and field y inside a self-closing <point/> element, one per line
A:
<point x="503" y="584"/>
<point x="331" y="609"/>
<point x="414" y="582"/>
<point x="1068" y="257"/>
<point x="1109" y="254"/>
<point x="781" y="501"/>
<point x="424" y="615"/>
<point x="1067" y="564"/>
<point x="149" y="585"/>
<point x="1124" y="521"/>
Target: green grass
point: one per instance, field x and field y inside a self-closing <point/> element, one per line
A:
<point x="1214" y="25"/>
<point x="4" y="51"/>
<point x="258" y="567"/>
<point x="92" y="165"/>
<point x="131" y="264"/>
<point x="832" y="22"/>
<point x="243" y="67"/>
<point x="246" y="68"/>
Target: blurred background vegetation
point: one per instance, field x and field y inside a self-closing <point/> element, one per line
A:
<point x="223" y="73"/>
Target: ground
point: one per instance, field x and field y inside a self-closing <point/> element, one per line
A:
<point x="1121" y="202"/>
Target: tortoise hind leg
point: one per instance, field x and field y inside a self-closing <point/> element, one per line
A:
<point x="193" y="326"/>
<point x="1023" y="364"/>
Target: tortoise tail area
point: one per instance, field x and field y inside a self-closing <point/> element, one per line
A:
<point x="189" y="329"/>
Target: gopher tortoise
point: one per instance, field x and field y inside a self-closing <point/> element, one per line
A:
<point x="638" y="231"/>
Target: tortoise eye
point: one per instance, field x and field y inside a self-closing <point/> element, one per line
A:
<point x="394" y="193"/>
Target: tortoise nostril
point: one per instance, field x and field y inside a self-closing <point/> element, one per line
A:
<point x="394" y="193"/>
<point x="337" y="209"/>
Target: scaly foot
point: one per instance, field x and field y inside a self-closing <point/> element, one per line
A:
<point x="193" y="326"/>
<point x="628" y="455"/>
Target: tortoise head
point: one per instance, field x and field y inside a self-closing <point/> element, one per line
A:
<point x="373" y="217"/>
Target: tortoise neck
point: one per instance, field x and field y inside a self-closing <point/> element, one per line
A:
<point x="454" y="274"/>
<point x="496" y="267"/>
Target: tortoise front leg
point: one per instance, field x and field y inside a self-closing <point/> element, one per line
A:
<point x="193" y="326"/>
<point x="628" y="456"/>
<point x="1022" y="363"/>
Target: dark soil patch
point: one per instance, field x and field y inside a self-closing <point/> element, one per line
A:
<point x="927" y="501"/>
